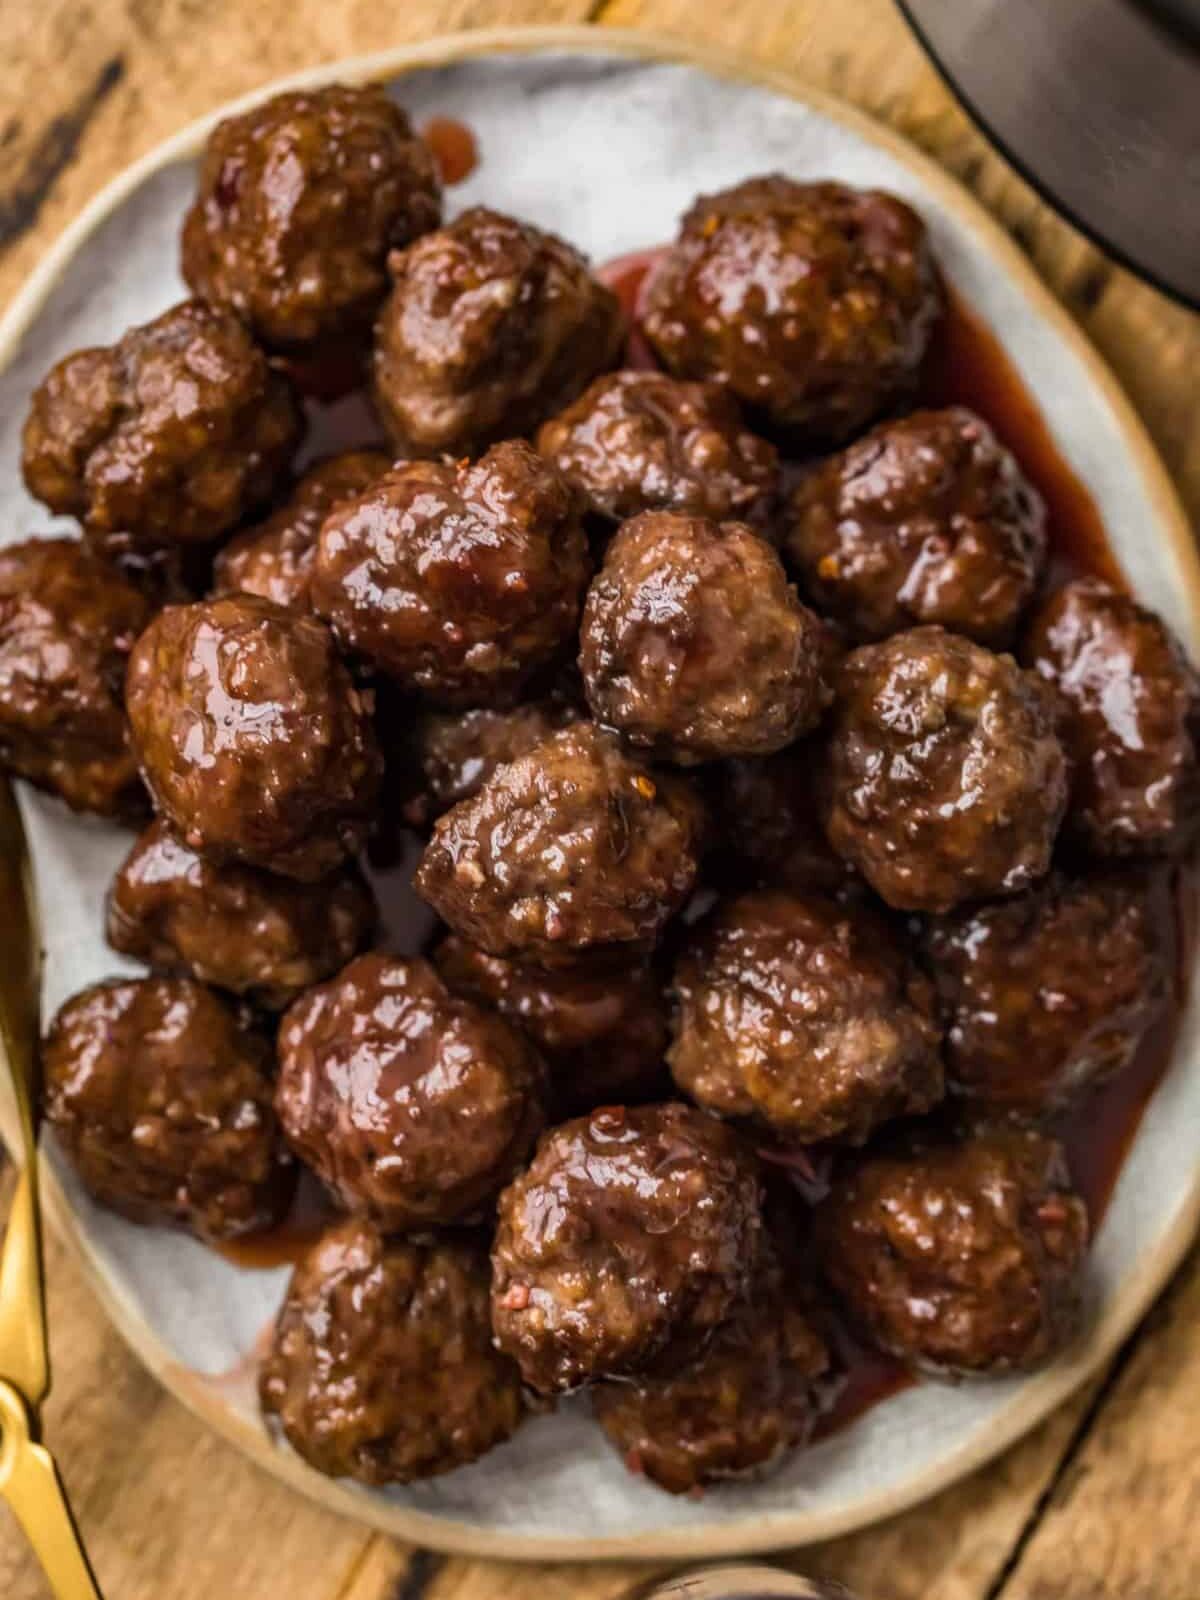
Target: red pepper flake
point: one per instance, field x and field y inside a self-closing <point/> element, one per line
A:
<point x="516" y="1297"/>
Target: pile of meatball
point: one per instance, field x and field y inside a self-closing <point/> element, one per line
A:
<point x="777" y="815"/>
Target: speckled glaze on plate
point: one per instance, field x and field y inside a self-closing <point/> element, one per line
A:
<point x="605" y="138"/>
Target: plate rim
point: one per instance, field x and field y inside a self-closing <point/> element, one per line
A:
<point x="1039" y="1394"/>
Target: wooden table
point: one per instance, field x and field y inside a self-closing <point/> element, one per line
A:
<point x="1104" y="1500"/>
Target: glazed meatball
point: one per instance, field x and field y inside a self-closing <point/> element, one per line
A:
<point x="381" y="1365"/>
<point x="491" y="327"/>
<point x="1132" y="719"/>
<point x="694" y="645"/>
<point x="275" y="559"/>
<point x="632" y="1236"/>
<point x="299" y="201"/>
<point x="959" y="1257"/>
<point x="925" y="520"/>
<point x="947" y="781"/>
<point x="242" y="929"/>
<point x="67" y="624"/>
<point x="172" y="435"/>
<point x="253" y="741"/>
<point x="452" y="754"/>
<point x="642" y="441"/>
<point x="602" y="1030"/>
<point x="412" y="1106"/>
<point x="572" y="848"/>
<point x="1050" y="993"/>
<point x="160" y="1095"/>
<point x="804" y="1016"/>
<point x="767" y="820"/>
<point x="456" y="580"/>
<point x="813" y="303"/>
<point x="734" y="1410"/>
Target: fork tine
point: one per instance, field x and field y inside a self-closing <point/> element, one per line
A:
<point x="24" y="1356"/>
<point x="29" y="1481"/>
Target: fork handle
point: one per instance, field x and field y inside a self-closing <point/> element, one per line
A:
<point x="30" y="1483"/>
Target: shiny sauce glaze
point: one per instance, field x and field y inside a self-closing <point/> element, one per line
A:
<point x="966" y="366"/>
<point x="309" y="1215"/>
<point x="1099" y="1135"/>
<point x="866" y="1377"/>
<point x="332" y="380"/>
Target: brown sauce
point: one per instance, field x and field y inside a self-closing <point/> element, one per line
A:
<point x="866" y="1378"/>
<point x="967" y="365"/>
<point x="453" y="147"/>
<point x="1098" y="1135"/>
<point x="285" y="1243"/>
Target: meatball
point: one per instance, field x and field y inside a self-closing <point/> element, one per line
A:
<point x="275" y="559"/>
<point x="381" y="1365"/>
<point x="172" y="435"/>
<point x="642" y="441"/>
<point x="456" y="580"/>
<point x="736" y="1409"/>
<point x="804" y="1016"/>
<point x="67" y="624"/>
<point x="160" y="1095"/>
<point x="946" y="778"/>
<point x="694" y="645"/>
<point x="768" y="821"/>
<point x="454" y="753"/>
<point x="1132" y="719"/>
<point x="925" y="520"/>
<point x="813" y="303"/>
<point x="253" y="741"/>
<point x="570" y="849"/>
<point x="959" y="1257"/>
<point x="412" y="1106"/>
<point x="1050" y="993"/>
<point x="602" y="1030"/>
<point x="299" y="201"/>
<point x="632" y="1236"/>
<point x="237" y="927"/>
<point x="491" y="327"/>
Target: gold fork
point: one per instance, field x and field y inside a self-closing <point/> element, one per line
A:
<point x="29" y="1480"/>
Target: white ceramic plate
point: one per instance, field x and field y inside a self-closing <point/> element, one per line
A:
<point x="606" y="138"/>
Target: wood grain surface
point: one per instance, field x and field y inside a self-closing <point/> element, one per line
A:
<point x="1103" y="1502"/>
